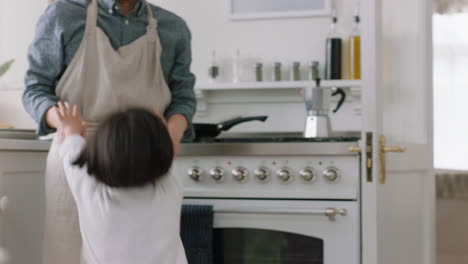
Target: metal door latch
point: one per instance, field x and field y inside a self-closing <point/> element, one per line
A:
<point x="382" y="155"/>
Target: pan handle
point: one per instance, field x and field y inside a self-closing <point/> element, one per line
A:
<point x="342" y="93"/>
<point x="226" y="125"/>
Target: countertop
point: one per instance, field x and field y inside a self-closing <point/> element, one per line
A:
<point x="25" y="140"/>
<point x="24" y="145"/>
<point x="21" y="140"/>
<point x="273" y="139"/>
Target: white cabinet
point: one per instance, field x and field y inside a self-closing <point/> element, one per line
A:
<point x="22" y="216"/>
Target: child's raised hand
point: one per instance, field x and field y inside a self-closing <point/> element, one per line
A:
<point x="70" y="122"/>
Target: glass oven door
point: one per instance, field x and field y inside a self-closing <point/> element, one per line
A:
<point x="284" y="232"/>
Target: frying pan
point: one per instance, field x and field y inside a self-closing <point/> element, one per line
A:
<point x="213" y="130"/>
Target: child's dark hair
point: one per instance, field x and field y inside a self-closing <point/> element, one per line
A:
<point x="131" y="148"/>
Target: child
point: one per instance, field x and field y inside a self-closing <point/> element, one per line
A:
<point x="128" y="203"/>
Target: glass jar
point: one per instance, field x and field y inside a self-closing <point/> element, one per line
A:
<point x="296" y="71"/>
<point x="277" y="73"/>
<point x="213" y="70"/>
<point x="314" y="73"/>
<point x="258" y="69"/>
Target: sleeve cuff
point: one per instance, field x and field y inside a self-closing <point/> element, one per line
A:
<point x="43" y="129"/>
<point x="72" y="145"/>
<point x="190" y="132"/>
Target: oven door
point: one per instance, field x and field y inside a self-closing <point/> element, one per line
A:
<point x="284" y="232"/>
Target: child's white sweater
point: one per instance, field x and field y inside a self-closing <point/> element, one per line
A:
<point x="125" y="226"/>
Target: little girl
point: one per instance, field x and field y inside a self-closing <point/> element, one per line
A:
<point x="128" y="203"/>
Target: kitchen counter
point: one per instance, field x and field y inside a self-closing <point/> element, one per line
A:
<point x="24" y="145"/>
<point x="23" y="140"/>
<point x="273" y="139"/>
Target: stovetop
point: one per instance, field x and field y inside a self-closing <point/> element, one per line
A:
<point x="274" y="140"/>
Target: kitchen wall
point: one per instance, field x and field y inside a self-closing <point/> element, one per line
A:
<point x="17" y="25"/>
<point x="285" y="40"/>
<point x="12" y="111"/>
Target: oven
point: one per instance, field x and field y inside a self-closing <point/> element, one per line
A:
<point x="284" y="203"/>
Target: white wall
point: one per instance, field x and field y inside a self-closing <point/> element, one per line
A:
<point x="285" y="40"/>
<point x="17" y="26"/>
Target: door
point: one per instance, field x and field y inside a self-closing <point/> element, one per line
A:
<point x="398" y="194"/>
<point x="284" y="232"/>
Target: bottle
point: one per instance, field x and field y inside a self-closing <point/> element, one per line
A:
<point x="213" y="70"/>
<point x="333" y="52"/>
<point x="314" y="70"/>
<point x="354" y="49"/>
<point x="235" y="67"/>
<point x="296" y="71"/>
<point x="258" y="68"/>
<point x="277" y="73"/>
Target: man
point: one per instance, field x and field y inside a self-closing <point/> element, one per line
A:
<point x="104" y="56"/>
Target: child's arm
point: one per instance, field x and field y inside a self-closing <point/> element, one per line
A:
<point x="70" y="128"/>
<point x="69" y="150"/>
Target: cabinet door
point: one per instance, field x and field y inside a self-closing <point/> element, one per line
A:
<point x="398" y="210"/>
<point x="21" y="222"/>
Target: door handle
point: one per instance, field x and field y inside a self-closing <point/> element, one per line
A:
<point x="394" y="149"/>
<point x="331" y="213"/>
<point x="383" y="157"/>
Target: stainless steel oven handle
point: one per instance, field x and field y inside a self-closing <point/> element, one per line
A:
<point x="331" y="213"/>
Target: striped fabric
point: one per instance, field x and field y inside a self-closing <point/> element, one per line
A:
<point x="452" y="185"/>
<point x="196" y="232"/>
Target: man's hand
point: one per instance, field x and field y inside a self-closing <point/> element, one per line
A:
<point x="177" y="125"/>
<point x="69" y="120"/>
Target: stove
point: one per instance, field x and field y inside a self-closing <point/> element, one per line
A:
<point x="281" y="189"/>
<point x="291" y="168"/>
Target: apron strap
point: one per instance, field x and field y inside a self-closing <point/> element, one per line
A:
<point x="91" y="17"/>
<point x="152" y="24"/>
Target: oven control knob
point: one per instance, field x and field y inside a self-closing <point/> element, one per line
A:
<point x="217" y="174"/>
<point x="195" y="173"/>
<point x="240" y="174"/>
<point x="331" y="174"/>
<point x="285" y="175"/>
<point x="308" y="175"/>
<point x="263" y="174"/>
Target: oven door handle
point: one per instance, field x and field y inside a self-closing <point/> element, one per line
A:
<point x="331" y="213"/>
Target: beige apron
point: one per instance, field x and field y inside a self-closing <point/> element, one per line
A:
<point x="100" y="80"/>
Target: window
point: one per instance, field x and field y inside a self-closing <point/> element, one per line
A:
<point x="451" y="91"/>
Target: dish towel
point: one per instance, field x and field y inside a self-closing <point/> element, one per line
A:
<point x="196" y="232"/>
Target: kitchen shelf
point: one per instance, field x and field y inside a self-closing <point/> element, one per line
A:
<point x="218" y="86"/>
